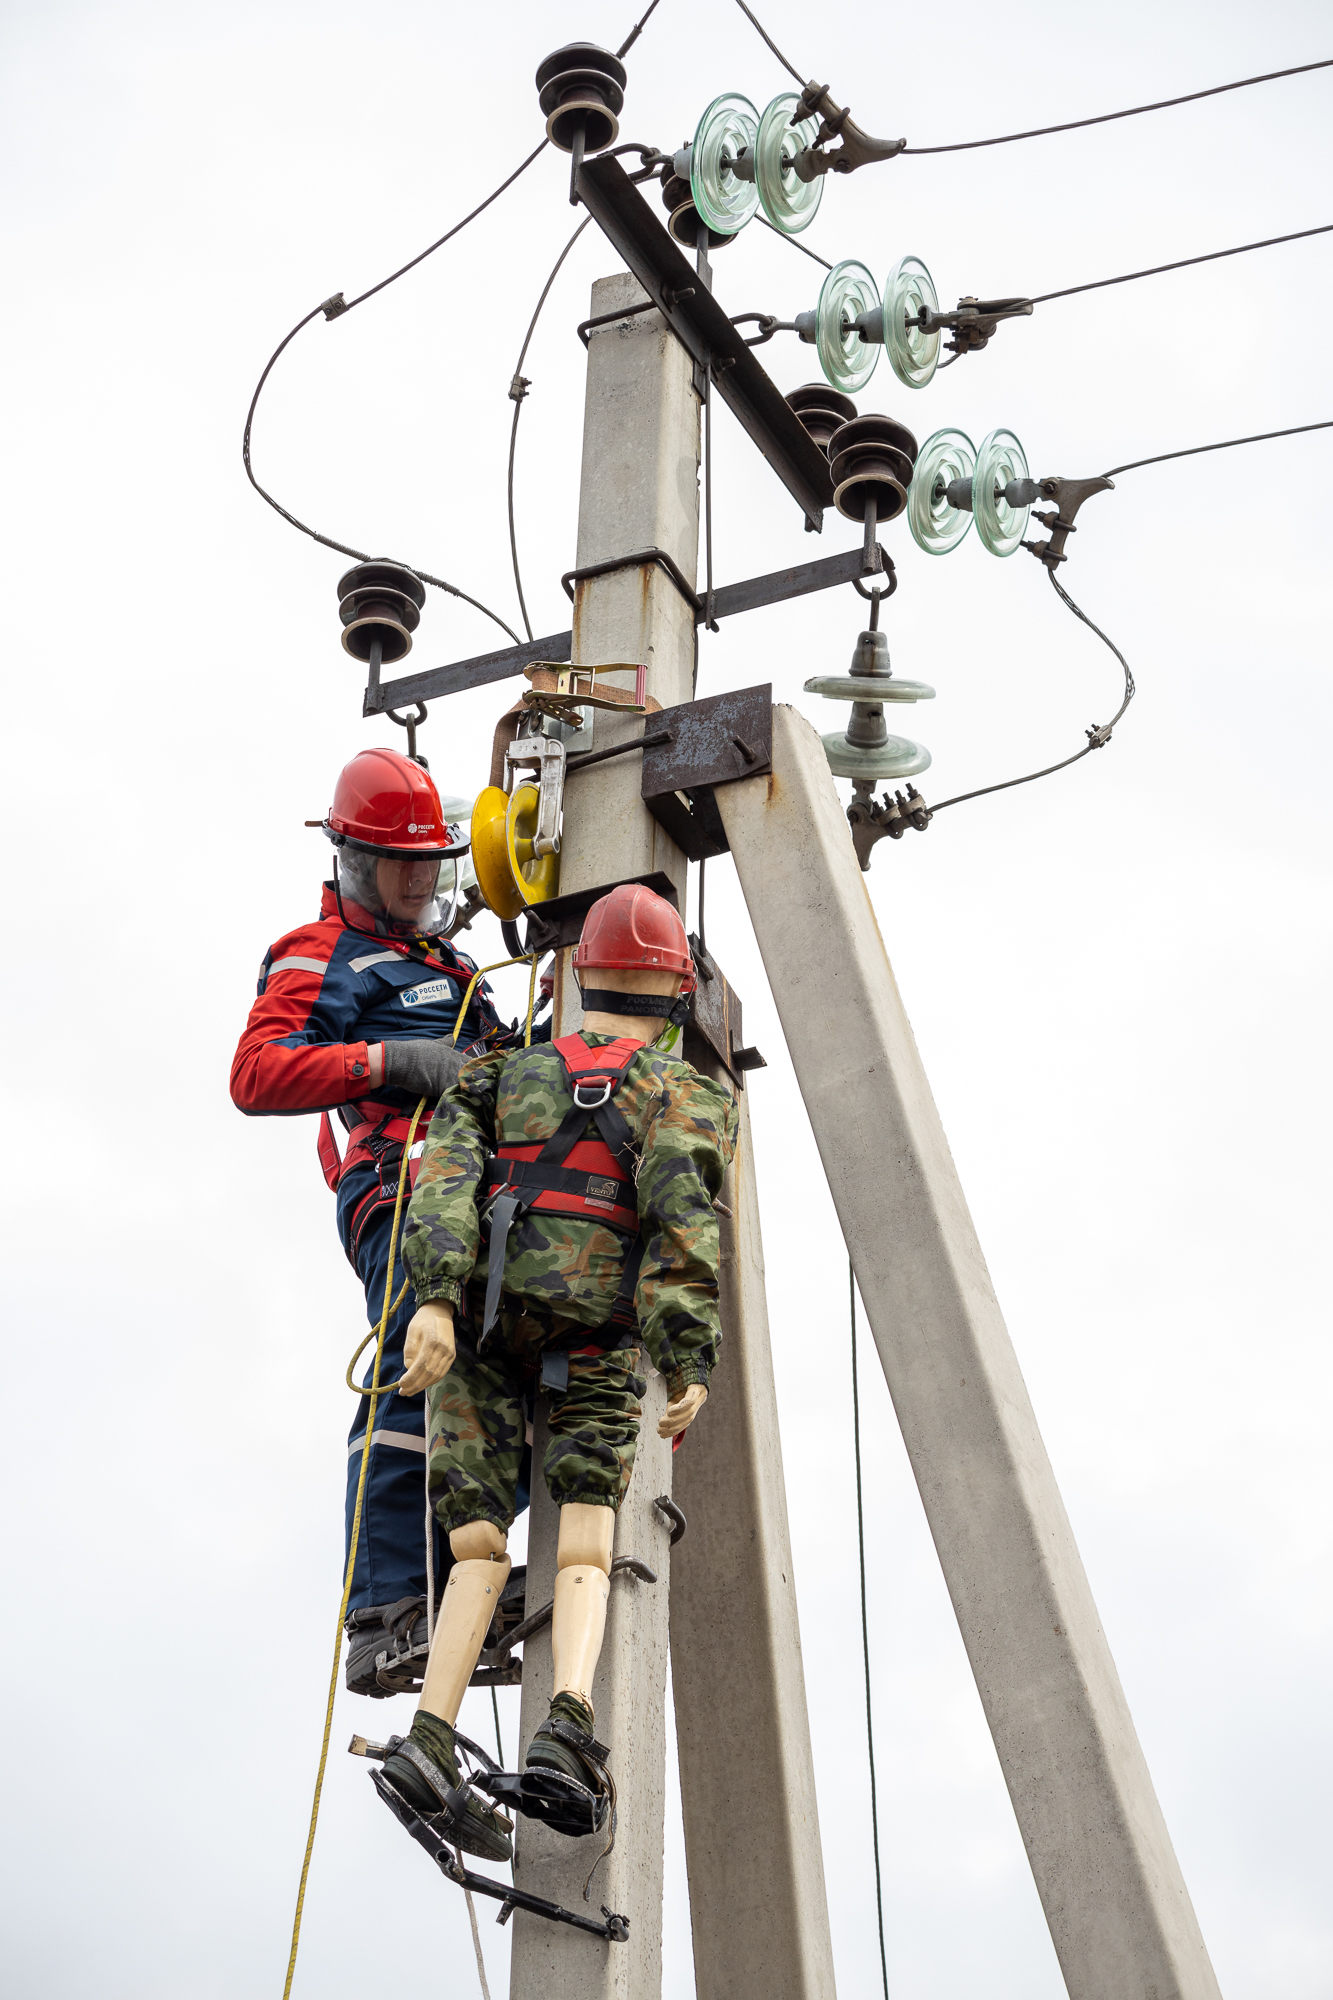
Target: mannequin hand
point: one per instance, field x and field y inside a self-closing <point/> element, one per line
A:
<point x="682" y="1410"/>
<point x="424" y="1068"/>
<point x="428" y="1351"/>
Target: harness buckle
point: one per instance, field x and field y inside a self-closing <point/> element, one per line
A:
<point x="605" y="1084"/>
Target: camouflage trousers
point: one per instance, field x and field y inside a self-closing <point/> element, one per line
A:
<point x="478" y="1419"/>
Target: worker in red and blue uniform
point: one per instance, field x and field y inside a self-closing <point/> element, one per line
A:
<point x="356" y="1015"/>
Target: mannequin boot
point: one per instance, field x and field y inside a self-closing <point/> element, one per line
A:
<point x="423" y="1766"/>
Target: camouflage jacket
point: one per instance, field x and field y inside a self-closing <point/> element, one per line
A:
<point x="684" y="1130"/>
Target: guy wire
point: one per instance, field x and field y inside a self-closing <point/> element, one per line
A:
<point x="865" y="1631"/>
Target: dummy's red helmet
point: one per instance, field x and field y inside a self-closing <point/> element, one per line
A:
<point x="634" y="928"/>
<point x="386" y="802"/>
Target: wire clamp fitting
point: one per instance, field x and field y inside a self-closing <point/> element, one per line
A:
<point x="334" y="307"/>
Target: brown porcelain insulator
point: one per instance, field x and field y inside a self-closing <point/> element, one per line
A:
<point x="822" y="410"/>
<point x="581" y="84"/>
<point x="381" y="600"/>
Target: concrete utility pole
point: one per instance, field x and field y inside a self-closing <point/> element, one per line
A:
<point x="1115" y="1900"/>
<point x="736" y="1648"/>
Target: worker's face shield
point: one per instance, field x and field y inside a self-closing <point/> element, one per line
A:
<point x="410" y="894"/>
<point x="420" y="895"/>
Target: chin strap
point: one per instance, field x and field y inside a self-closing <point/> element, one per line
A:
<point x="600" y="1001"/>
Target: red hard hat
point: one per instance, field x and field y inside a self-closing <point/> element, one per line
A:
<point x="385" y="801"/>
<point x="633" y="928"/>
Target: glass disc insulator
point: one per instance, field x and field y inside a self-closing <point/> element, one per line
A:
<point x="1000" y="526"/>
<point x="726" y="130"/>
<point x="847" y="361"/>
<point x="936" y="526"/>
<point x="788" y="201"/>
<point x="913" y="354"/>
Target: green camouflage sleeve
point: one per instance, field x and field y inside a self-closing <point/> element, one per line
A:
<point x="441" y="1239"/>
<point x="686" y="1127"/>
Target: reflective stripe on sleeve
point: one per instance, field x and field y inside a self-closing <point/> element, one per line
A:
<point x="377" y="958"/>
<point x="404" y="1440"/>
<point x="298" y="965"/>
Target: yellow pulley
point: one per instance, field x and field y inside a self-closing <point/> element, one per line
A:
<point x="510" y="873"/>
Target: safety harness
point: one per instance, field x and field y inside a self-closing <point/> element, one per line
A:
<point x="571" y="1174"/>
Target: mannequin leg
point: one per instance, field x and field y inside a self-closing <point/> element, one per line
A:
<point x="582" y="1587"/>
<point x="480" y="1572"/>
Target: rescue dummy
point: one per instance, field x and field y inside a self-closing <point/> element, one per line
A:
<point x="563" y="1221"/>
<point x="355" y="1015"/>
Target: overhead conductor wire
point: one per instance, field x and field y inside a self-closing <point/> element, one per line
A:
<point x="1072" y="124"/>
<point x="518" y="389"/>
<point x="1098" y="737"/>
<point x="334" y="308"/>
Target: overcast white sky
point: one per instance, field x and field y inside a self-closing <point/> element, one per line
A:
<point x="1118" y="977"/>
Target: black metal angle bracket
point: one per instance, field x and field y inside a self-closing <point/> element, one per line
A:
<point x="710" y="742"/>
<point x="798" y="580"/>
<point x="706" y="334"/>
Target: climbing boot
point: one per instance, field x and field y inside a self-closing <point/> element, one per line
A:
<point x="398" y="1630"/>
<point x="387" y="1647"/>
<point x="423" y="1768"/>
<point x="564" y="1772"/>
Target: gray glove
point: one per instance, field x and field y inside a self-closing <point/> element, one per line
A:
<point x="423" y="1069"/>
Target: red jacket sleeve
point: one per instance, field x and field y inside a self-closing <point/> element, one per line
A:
<point x="295" y="1054"/>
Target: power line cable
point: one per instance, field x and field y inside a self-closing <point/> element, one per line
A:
<point x="518" y="389"/>
<point x="1134" y="111"/>
<point x="865" y="1633"/>
<point x="1209" y="257"/>
<point x="634" y="34"/>
<point x="1098" y="738"/>
<point x="1193" y="450"/>
<point x="1072" y="124"/>
<point x="1099" y="284"/>
<point x="334" y="308"/>
<point x="764" y="35"/>
<point x="794" y="243"/>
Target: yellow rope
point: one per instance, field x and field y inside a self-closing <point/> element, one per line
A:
<point x="532" y="995"/>
<point x="480" y="973"/>
<point x="375" y="1393"/>
<point x="356" y="1387"/>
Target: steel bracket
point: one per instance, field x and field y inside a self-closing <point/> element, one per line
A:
<point x="715" y="1021"/>
<point x="711" y="742"/>
<point x="554" y="925"/>
<point x="705" y="332"/>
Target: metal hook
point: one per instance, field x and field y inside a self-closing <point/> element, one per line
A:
<point x="876" y="595"/>
<point x="411" y="723"/>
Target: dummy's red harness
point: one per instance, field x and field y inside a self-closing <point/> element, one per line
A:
<point x="570" y="1174"/>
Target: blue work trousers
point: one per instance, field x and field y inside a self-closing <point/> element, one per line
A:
<point x="391" y="1548"/>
